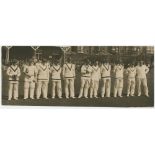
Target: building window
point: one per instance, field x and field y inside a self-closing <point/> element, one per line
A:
<point x="80" y="49"/>
<point x="149" y="50"/>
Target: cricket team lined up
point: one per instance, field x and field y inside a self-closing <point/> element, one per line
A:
<point x="38" y="74"/>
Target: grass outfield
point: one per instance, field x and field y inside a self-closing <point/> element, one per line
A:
<point x="99" y="102"/>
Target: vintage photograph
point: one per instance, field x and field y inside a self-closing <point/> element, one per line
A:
<point x="93" y="76"/>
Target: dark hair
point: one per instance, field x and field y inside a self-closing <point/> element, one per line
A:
<point x="69" y="59"/>
<point x="14" y="61"/>
<point x="44" y="60"/>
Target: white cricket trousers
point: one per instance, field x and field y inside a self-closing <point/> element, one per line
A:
<point x="94" y="88"/>
<point x="42" y="87"/>
<point x="85" y="84"/>
<point x="69" y="87"/>
<point x="118" y="87"/>
<point x="130" y="86"/>
<point x="13" y="90"/>
<point x="106" y="87"/>
<point x="142" y="81"/>
<point x="56" y="86"/>
<point x="29" y="87"/>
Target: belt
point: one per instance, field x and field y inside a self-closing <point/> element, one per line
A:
<point x="29" y="76"/>
<point x="69" y="77"/>
<point x="119" y="78"/>
<point x="86" y="76"/>
<point x="106" y="77"/>
<point x="56" y="79"/>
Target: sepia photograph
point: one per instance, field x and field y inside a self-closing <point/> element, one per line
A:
<point x="93" y="76"/>
<point x="77" y="77"/>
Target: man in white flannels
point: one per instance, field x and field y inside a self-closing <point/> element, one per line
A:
<point x="131" y="73"/>
<point x="141" y="71"/>
<point x="106" y="78"/>
<point x="118" y="75"/>
<point x="42" y="79"/>
<point x="95" y="77"/>
<point x="55" y="72"/>
<point x="13" y="73"/>
<point x="69" y="77"/>
<point x="30" y="73"/>
<point x="86" y="71"/>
